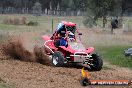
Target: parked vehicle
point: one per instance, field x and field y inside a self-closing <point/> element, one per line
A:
<point x="128" y="52"/>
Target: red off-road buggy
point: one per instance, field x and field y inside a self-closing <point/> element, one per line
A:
<point x="74" y="53"/>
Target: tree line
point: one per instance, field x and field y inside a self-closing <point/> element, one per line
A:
<point x="21" y="6"/>
<point x="75" y="6"/>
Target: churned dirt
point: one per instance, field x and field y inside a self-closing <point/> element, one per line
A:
<point x="31" y="69"/>
<point x="14" y="49"/>
<point x="34" y="75"/>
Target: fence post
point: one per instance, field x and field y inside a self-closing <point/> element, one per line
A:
<point x="52" y="25"/>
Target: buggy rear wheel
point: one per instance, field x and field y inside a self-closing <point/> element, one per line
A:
<point x="58" y="59"/>
<point x="97" y="63"/>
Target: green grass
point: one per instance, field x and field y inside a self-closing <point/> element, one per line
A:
<point x="114" y="55"/>
<point x="7" y="27"/>
<point x="44" y="22"/>
<point x="3" y="84"/>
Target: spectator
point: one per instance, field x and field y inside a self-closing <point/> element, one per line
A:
<point x="114" y="24"/>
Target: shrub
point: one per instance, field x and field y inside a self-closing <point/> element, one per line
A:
<point x="23" y="20"/>
<point x="89" y="22"/>
<point x="15" y="21"/>
<point x="6" y="21"/>
<point x="32" y="23"/>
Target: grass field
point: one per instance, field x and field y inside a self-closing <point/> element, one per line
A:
<point x="114" y="55"/>
<point x="5" y="85"/>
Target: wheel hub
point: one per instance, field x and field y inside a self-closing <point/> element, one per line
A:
<point x="55" y="60"/>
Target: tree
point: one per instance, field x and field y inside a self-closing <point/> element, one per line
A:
<point x="37" y="10"/>
<point x="97" y="9"/>
<point x="71" y="5"/>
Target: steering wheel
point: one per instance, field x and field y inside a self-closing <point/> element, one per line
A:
<point x="71" y="36"/>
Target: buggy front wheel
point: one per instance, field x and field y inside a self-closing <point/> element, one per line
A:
<point x="97" y="63"/>
<point x="58" y="59"/>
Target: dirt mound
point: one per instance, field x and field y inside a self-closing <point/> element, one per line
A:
<point x="14" y="48"/>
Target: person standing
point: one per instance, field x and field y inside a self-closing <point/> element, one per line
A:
<point x="114" y="24"/>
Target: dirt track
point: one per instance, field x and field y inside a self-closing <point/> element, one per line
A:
<point x="34" y="75"/>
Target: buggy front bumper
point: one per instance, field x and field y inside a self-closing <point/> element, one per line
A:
<point x="82" y="58"/>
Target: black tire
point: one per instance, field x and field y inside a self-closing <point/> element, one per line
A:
<point x="59" y="58"/>
<point x="85" y="82"/>
<point x="97" y="63"/>
<point x="127" y="55"/>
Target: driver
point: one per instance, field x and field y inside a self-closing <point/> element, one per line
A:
<point x="59" y="35"/>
